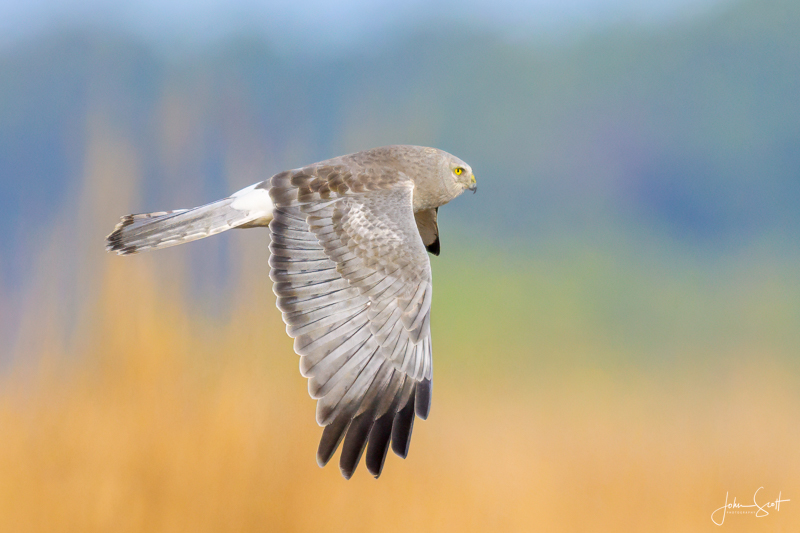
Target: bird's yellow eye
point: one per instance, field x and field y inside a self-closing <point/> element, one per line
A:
<point x="458" y="171"/>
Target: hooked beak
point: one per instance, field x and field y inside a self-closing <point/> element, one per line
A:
<point x="473" y="185"/>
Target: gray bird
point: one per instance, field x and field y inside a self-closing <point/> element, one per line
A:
<point x="353" y="281"/>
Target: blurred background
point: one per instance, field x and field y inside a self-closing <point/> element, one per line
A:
<point x="617" y="311"/>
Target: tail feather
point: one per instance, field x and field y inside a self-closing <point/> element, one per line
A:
<point x="249" y="207"/>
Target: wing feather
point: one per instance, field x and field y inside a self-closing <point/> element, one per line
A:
<point x="352" y="279"/>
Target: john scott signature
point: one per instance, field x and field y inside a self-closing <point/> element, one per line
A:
<point x="759" y="510"/>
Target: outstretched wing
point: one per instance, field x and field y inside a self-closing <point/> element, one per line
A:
<point x="353" y="281"/>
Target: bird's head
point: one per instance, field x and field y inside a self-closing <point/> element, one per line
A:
<point x="439" y="177"/>
<point x="460" y="173"/>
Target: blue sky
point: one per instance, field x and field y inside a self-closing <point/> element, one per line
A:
<point x="316" y="25"/>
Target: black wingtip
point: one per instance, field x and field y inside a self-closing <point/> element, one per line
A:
<point x="355" y="442"/>
<point x="401" y="430"/>
<point x="378" y="446"/>
<point x="434" y="247"/>
<point x="331" y="437"/>
<point x="422" y="404"/>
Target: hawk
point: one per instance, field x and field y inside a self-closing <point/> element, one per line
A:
<point x="349" y="262"/>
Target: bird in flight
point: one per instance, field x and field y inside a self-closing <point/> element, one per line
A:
<point x="349" y="262"/>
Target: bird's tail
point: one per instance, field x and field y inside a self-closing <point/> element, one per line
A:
<point x="249" y="207"/>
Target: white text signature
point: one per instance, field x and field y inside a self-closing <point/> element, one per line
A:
<point x="759" y="510"/>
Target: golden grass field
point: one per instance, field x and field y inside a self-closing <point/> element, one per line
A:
<point x="154" y="419"/>
<point x="136" y="410"/>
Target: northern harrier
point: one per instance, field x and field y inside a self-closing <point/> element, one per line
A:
<point x="353" y="281"/>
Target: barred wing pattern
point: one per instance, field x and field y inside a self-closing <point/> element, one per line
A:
<point x="353" y="281"/>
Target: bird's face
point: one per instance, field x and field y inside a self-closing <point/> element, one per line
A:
<point x="462" y="175"/>
<point x="443" y="177"/>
